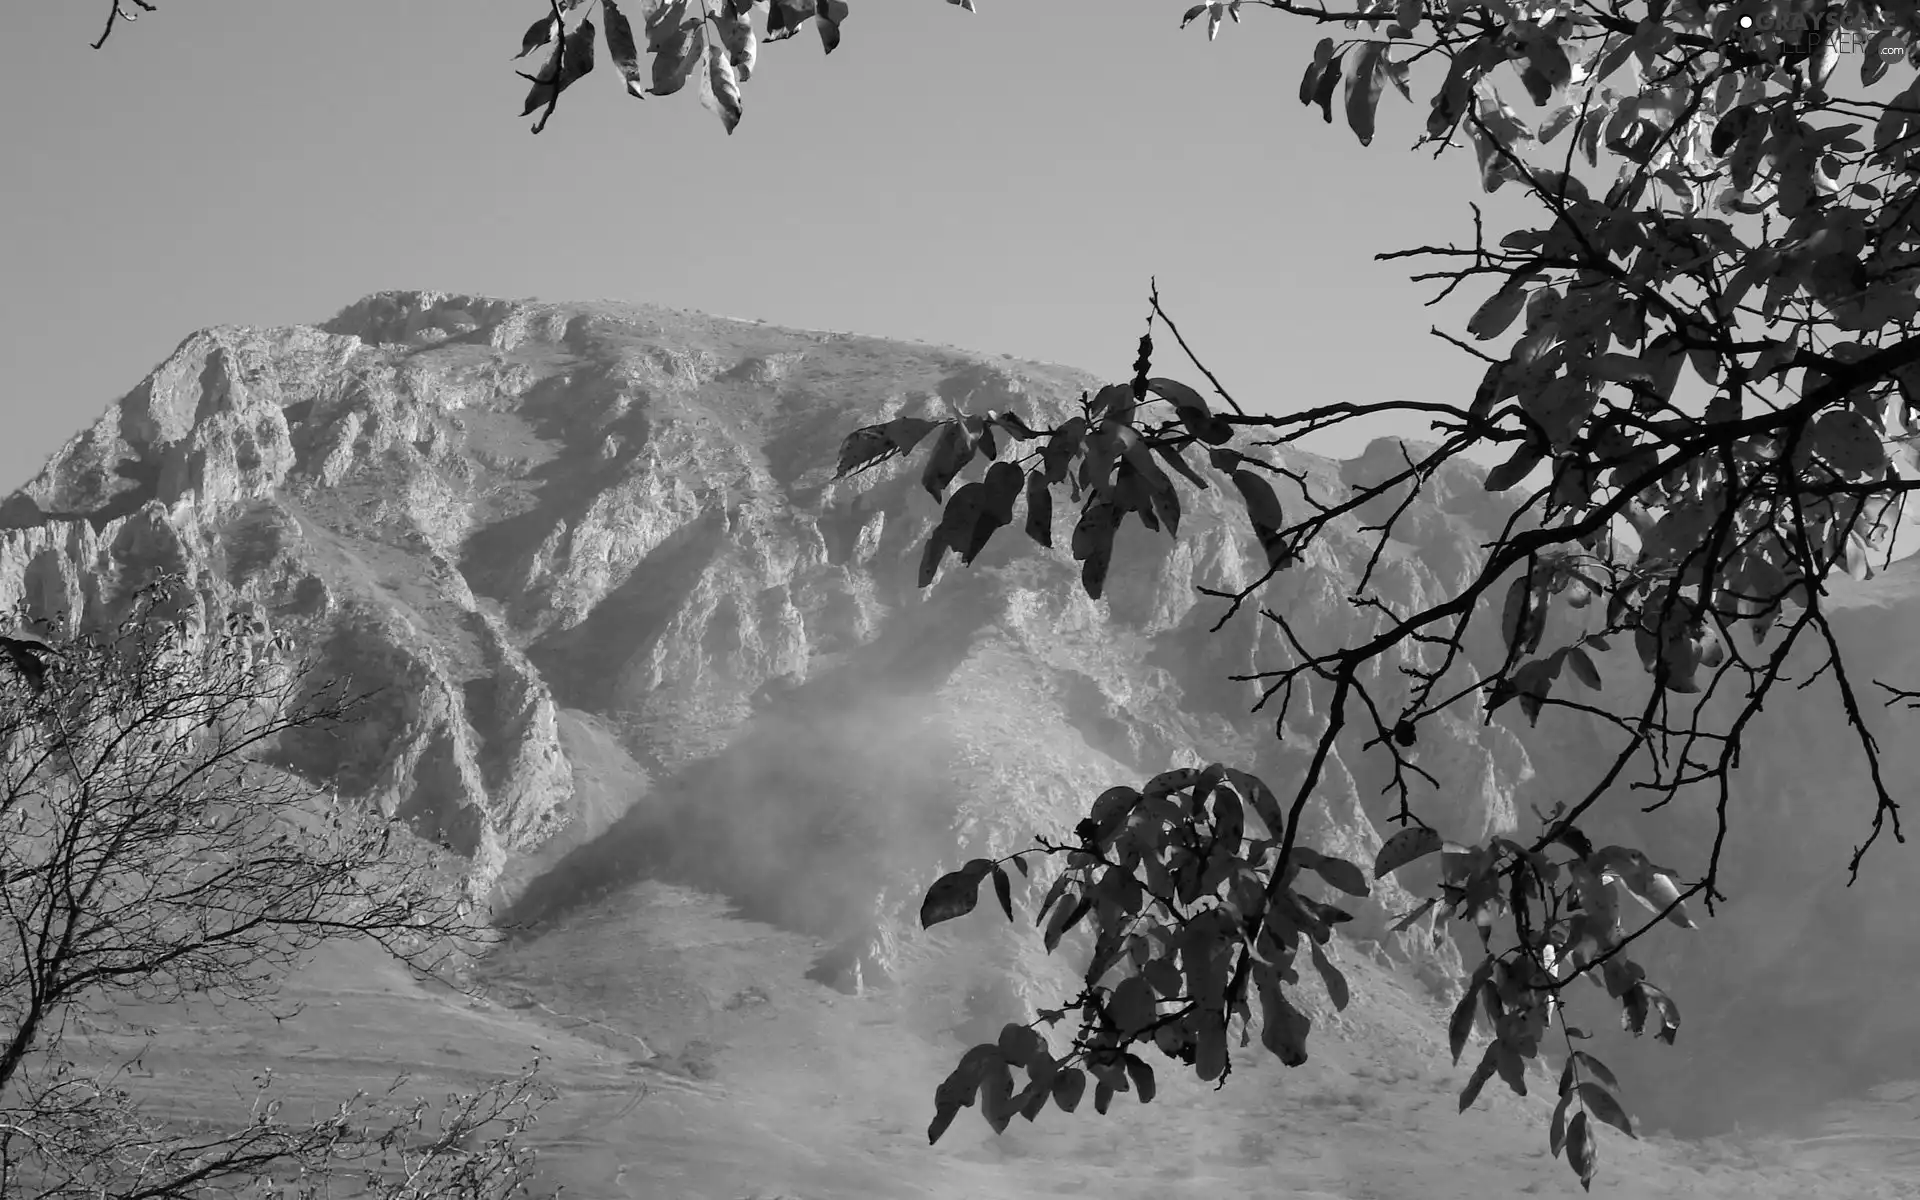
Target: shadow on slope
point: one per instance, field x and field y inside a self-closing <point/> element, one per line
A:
<point x="810" y="809"/>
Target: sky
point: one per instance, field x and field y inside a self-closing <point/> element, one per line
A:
<point x="1004" y="181"/>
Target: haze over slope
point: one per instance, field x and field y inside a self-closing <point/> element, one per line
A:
<point x="629" y="629"/>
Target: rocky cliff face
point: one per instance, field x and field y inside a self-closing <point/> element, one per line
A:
<point x="624" y="622"/>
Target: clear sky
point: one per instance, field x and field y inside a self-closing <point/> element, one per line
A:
<point x="1004" y="181"/>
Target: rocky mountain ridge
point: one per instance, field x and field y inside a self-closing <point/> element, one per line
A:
<point x="624" y="623"/>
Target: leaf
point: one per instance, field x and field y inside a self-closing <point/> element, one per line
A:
<point x="1508" y="473"/>
<point x="734" y="24"/>
<point x="1420" y="910"/>
<point x="1873" y="60"/>
<point x="827" y="20"/>
<point x="1093" y="543"/>
<point x="1848" y="442"/>
<point x="1263" y="512"/>
<point x="1331" y="976"/>
<point x="1002" y="888"/>
<point x="954" y="894"/>
<point x="1644" y="1002"/>
<point x="1068" y="1086"/>
<point x="720" y="87"/>
<point x="1363" y="89"/>
<point x="1583" y="667"/>
<point x="996" y="1093"/>
<point x="951" y="453"/>
<point x="872" y="445"/>
<point x="1039" y="510"/>
<point x="1063" y="921"/>
<point x="1324" y="89"/>
<point x="784" y="17"/>
<point x="626" y="59"/>
<point x="1142" y="1077"/>
<point x="1404" y="847"/>
<point x="998" y="493"/>
<point x="1460" y="1024"/>
<point x="574" y="59"/>
<point x="1492" y="318"/>
<point x="1557" y="1131"/>
<point x="1489" y="1062"/>
<point x="1516" y="625"/>
<point x="1548" y="58"/>
<point x="1557" y="121"/>
<point x="931" y="557"/>
<point x="1581" y="1151"/>
<point x="958" y="1089"/>
<point x="538" y="34"/>
<point x="1342" y="874"/>
<point x="1192" y="409"/>
<point x="1283" y="1028"/>
<point x="678" y="43"/>
<point x="1310" y="82"/>
<point x="1598" y="1070"/>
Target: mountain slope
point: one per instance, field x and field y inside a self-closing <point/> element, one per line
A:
<point x="640" y="653"/>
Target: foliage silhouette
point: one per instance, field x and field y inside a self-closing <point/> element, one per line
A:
<point x="152" y="853"/>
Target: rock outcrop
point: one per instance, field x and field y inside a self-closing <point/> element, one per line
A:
<point x="622" y="620"/>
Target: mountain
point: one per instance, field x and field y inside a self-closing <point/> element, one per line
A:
<point x="673" y="694"/>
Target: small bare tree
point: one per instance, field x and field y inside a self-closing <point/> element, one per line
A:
<point x="152" y="851"/>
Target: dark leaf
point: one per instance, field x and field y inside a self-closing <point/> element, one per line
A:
<point x="625" y="54"/>
<point x="1343" y="875"/>
<point x="1594" y="1069"/>
<point x="1492" y="318"/>
<point x="1460" y="1024"/>
<point x="996" y="1094"/>
<point x="1583" y="667"/>
<point x="952" y="451"/>
<point x="1404" y="847"/>
<point x="1142" y="1077"/>
<point x="1511" y="472"/>
<point x="784" y="17"/>
<point x="538" y="34"/>
<point x="1557" y="1131"/>
<point x="1331" y="976"/>
<point x="1039" y="510"/>
<point x="1003" y="888"/>
<point x="1093" y="543"/>
<point x="1063" y="921"/>
<point x="827" y="20"/>
<point x="953" y="894"/>
<point x="874" y="444"/>
<point x="1581" y="1151"/>
<point x="1021" y="1044"/>
<point x="1363" y="89"/>
<point x="1602" y="1104"/>
<point x="678" y="42"/>
<point x="1283" y="1028"/>
<point x="1489" y="1062"/>
<point x="1324" y="89"/>
<point x="1068" y="1086"/>
<point x="573" y="59"/>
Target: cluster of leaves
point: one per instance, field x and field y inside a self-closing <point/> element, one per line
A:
<point x="1191" y="888"/>
<point x="150" y="852"/>
<point x="713" y="42"/>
